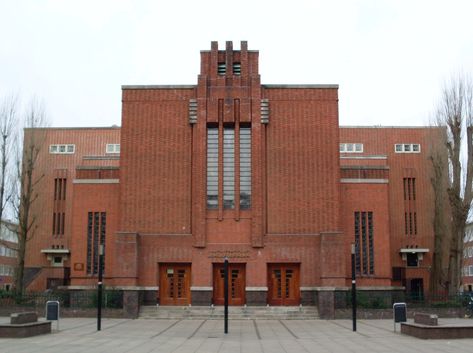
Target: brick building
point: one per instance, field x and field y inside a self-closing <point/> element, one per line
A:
<point x="467" y="270"/>
<point x="261" y="174"/>
<point x="8" y="253"/>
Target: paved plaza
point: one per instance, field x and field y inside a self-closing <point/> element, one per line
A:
<point x="249" y="336"/>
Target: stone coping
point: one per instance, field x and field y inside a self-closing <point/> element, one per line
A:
<point x="450" y="331"/>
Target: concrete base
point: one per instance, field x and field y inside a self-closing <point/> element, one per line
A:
<point x="437" y="332"/>
<point x="131" y="304"/>
<point x="326" y="304"/>
<point x="308" y="297"/>
<point x="201" y="297"/>
<point x="150" y="297"/>
<point x="25" y="330"/>
<point x="256" y="297"/>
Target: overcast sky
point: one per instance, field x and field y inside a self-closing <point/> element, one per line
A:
<point x="390" y="58"/>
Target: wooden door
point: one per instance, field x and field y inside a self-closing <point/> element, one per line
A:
<point x="283" y="284"/>
<point x="236" y="284"/>
<point x="174" y="284"/>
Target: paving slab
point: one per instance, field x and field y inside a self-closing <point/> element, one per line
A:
<point x="249" y="336"/>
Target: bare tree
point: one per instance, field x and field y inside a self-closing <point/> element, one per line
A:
<point x="439" y="180"/>
<point x="455" y="112"/>
<point x="28" y="183"/>
<point x="8" y="125"/>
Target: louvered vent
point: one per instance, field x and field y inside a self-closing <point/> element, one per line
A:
<point x="264" y="111"/>
<point x="237" y="69"/>
<point x="192" y="111"/>
<point x="221" y="69"/>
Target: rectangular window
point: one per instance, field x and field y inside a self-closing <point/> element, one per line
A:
<point x="245" y="167"/>
<point x="62" y="149"/>
<point x="351" y="147"/>
<point x="212" y="168"/>
<point x="407" y="148"/>
<point x="96" y="231"/>
<point x="228" y="168"/>
<point x="364" y="243"/>
<point x="230" y="174"/>
<point x="112" y="148"/>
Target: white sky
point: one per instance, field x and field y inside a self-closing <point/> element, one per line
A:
<point x="390" y="58"/>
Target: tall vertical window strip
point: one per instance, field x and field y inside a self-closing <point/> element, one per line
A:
<point x="357" y="242"/>
<point x="410" y="218"/>
<point x="60" y="188"/>
<point x="371" y="241"/>
<point x="212" y="168"/>
<point x="228" y="167"/>
<point x="103" y="227"/>
<point x="58" y="223"/>
<point x="96" y="243"/>
<point x="59" y="195"/>
<point x="363" y="247"/>
<point x="409" y="189"/>
<point x="364" y="243"/>
<point x="245" y="168"/>
<point x="90" y="222"/>
<point x="96" y="230"/>
<point x="229" y="173"/>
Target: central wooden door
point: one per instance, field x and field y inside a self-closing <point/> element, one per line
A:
<point x="283" y="284"/>
<point x="174" y="284"/>
<point x="236" y="284"/>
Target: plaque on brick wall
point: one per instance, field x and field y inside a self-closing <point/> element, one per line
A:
<point x="78" y="266"/>
<point x="231" y="254"/>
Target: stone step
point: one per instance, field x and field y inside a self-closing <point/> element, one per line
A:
<point x="235" y="313"/>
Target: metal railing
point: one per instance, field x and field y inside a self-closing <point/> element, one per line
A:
<point x="67" y="299"/>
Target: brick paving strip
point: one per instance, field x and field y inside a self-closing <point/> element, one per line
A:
<point x="167" y="328"/>
<point x="287" y="328"/>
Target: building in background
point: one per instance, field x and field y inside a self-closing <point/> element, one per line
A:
<point x="64" y="153"/>
<point x="230" y="167"/>
<point x="8" y="253"/>
<point x="467" y="269"/>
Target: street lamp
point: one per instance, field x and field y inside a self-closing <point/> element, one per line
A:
<point x="99" y="289"/>
<point x="225" y="293"/>
<point x="353" y="286"/>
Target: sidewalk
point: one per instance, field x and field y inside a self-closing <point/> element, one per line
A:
<point x="246" y="336"/>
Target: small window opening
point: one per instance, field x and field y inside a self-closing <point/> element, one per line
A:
<point x="412" y="260"/>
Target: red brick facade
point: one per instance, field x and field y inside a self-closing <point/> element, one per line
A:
<point x="294" y="240"/>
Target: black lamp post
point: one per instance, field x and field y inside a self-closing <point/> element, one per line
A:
<point x="353" y="286"/>
<point x="99" y="290"/>
<point x="225" y="293"/>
